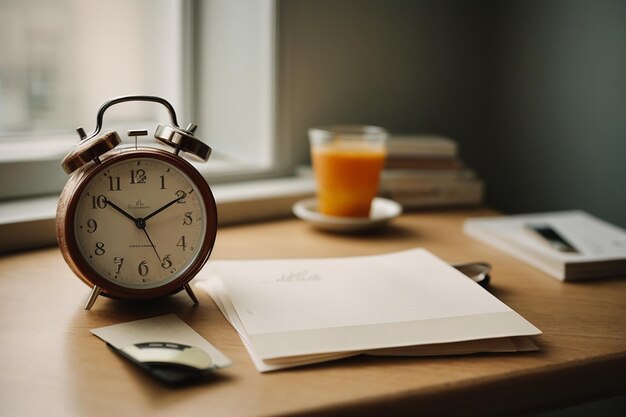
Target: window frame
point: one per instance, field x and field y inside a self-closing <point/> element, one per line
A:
<point x="31" y="162"/>
<point x="250" y="193"/>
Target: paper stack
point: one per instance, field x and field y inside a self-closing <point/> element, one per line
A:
<point x="300" y="311"/>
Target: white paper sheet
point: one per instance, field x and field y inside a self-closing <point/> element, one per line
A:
<point x="302" y="294"/>
<point x="338" y="306"/>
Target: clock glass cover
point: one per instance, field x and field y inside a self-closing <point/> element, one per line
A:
<point x="139" y="222"/>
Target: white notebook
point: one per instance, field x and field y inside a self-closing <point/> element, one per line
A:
<point x="291" y="312"/>
<point x="585" y="247"/>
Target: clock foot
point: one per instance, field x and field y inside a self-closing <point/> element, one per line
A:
<point x="95" y="292"/>
<point x="191" y="294"/>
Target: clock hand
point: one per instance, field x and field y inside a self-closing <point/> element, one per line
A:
<point x="116" y="207"/>
<point x="150" y="240"/>
<point x="157" y="211"/>
<point x="139" y="222"/>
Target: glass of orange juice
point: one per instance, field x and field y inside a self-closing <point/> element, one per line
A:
<point x="347" y="161"/>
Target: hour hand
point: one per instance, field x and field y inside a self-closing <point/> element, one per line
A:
<point x="160" y="209"/>
<point x="117" y="208"/>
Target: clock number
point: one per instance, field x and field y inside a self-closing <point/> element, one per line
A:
<point x="99" y="249"/>
<point x="167" y="262"/>
<point x="163" y="182"/>
<point x="143" y="268"/>
<point x="119" y="261"/>
<point x="181" y="194"/>
<point x="92" y="225"/>
<point x="114" y="184"/>
<point x="98" y="202"/>
<point x="181" y="243"/>
<point x="137" y="177"/>
<point x="187" y="220"/>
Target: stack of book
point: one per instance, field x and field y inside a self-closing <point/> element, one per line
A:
<point x="426" y="171"/>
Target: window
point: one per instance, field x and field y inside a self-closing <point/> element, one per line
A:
<point x="213" y="60"/>
<point x="236" y="77"/>
<point x="65" y="58"/>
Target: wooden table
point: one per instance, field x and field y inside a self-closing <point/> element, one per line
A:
<point x="51" y="365"/>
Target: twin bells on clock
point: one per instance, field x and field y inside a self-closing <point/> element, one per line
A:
<point x="136" y="222"/>
<point x="92" y="147"/>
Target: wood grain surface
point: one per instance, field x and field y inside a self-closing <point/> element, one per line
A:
<point x="52" y="365"/>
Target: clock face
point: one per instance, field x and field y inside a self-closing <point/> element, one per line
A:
<point x="140" y="222"/>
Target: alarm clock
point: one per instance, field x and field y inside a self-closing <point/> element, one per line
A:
<point x="136" y="222"/>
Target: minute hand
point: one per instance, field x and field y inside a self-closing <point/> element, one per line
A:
<point x="157" y="211"/>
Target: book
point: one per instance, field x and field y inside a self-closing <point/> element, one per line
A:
<point x="422" y="152"/>
<point x="421" y="145"/>
<point x="568" y="245"/>
<point x="419" y="189"/>
<point x="292" y="312"/>
<point x="410" y="176"/>
<point x="420" y="162"/>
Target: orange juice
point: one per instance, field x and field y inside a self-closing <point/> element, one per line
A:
<point x="347" y="176"/>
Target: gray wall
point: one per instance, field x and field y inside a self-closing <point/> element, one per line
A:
<point x="534" y="92"/>
<point x="560" y="108"/>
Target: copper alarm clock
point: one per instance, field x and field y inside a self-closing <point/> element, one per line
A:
<point x="136" y="222"/>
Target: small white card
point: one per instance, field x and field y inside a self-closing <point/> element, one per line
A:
<point x="167" y="328"/>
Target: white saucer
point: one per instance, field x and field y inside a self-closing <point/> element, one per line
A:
<point x="383" y="210"/>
